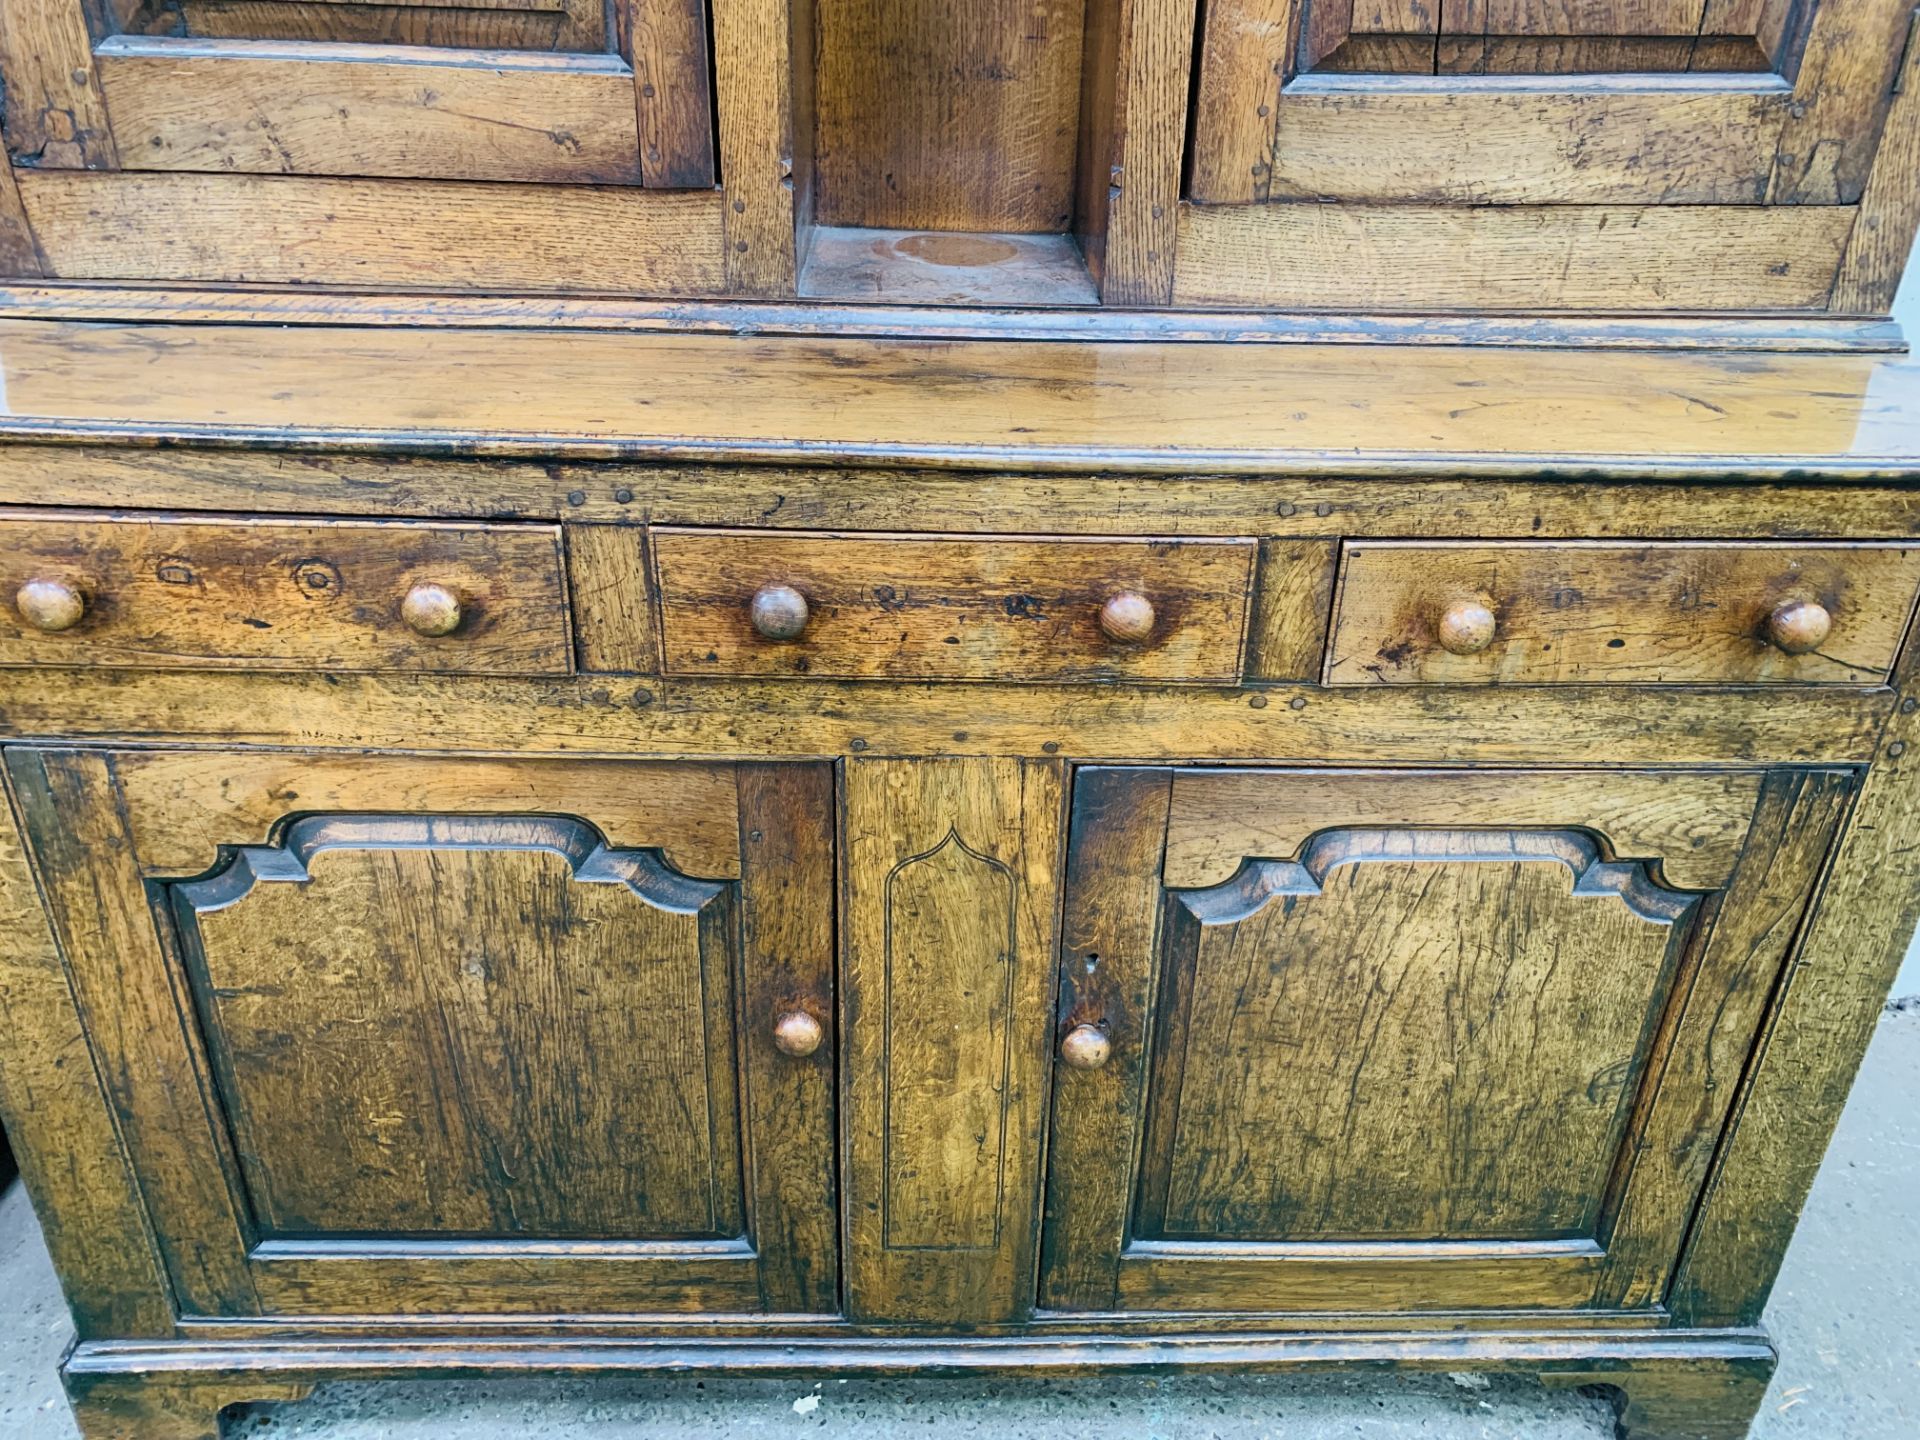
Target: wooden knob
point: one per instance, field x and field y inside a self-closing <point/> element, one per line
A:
<point x="779" y="611"/>
<point x="798" y="1033"/>
<point x="431" y="610"/>
<point x="1127" y="617"/>
<point x="1799" y="626"/>
<point x="50" y="605"/>
<point x="1466" y="627"/>
<point x="1086" y="1047"/>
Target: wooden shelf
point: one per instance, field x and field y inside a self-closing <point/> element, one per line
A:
<point x="935" y="267"/>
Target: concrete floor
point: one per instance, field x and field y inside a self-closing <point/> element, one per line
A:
<point x="1846" y="1316"/>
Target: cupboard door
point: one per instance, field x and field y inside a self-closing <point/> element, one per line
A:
<point x="534" y="90"/>
<point x="1395" y="1041"/>
<point x="463" y="1036"/>
<point x="1533" y="102"/>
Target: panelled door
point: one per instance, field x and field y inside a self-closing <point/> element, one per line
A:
<point x="573" y="91"/>
<point x="1537" y="102"/>
<point x="458" y="1036"/>
<point x="1377" y="1041"/>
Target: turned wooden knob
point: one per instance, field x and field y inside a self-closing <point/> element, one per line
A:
<point x="1799" y="626"/>
<point x="798" y="1033"/>
<point x="1086" y="1047"/>
<point x="50" y="605"/>
<point x="1127" y="617"/>
<point x="1466" y="627"/>
<point x="431" y="610"/>
<point x="779" y="611"/>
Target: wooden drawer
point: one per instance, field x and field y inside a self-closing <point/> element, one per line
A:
<point x="255" y="594"/>
<point x="1574" y="612"/>
<point x="952" y="607"/>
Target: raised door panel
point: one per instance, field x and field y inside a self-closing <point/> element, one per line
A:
<point x="469" y="1026"/>
<point x="1460" y="1061"/>
<point x="529" y="90"/>
<point x="1406" y="1033"/>
<point x="463" y="1060"/>
<point x="1538" y="103"/>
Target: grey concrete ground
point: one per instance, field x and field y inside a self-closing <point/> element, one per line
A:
<point x="1846" y="1316"/>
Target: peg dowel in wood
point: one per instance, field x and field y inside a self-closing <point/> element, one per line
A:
<point x="1799" y="626"/>
<point x="431" y="609"/>
<point x="1086" y="1047"/>
<point x="798" y="1033"/>
<point x="1127" y="617"/>
<point x="50" y="605"/>
<point x="1466" y="627"/>
<point x="779" y="612"/>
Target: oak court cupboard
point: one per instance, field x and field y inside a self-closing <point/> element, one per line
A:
<point x="875" y="686"/>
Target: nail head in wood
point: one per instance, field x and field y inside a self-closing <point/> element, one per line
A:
<point x="779" y="612"/>
<point x="1086" y="1047"/>
<point x="798" y="1033"/>
<point x="50" y="605"/>
<point x="1799" y="626"/>
<point x="1127" y="617"/>
<point x="1466" y="628"/>
<point x="431" y="609"/>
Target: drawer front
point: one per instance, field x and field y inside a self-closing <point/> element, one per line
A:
<point x="951" y="607"/>
<point x="1595" y="612"/>
<point x="249" y="594"/>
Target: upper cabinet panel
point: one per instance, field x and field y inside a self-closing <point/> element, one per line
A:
<point x="1494" y="102"/>
<point x="527" y="90"/>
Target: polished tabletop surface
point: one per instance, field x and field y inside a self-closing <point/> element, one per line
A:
<point x="1037" y="404"/>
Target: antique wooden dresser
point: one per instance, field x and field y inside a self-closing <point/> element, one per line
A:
<point x="854" y="686"/>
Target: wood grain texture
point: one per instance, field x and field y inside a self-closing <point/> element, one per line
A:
<point x="1709" y="1032"/>
<point x="905" y="606"/>
<point x="1676" y="1379"/>
<point x="1236" y="89"/>
<point x="1817" y="1028"/>
<point x="379" y="994"/>
<point x="1883" y="236"/>
<point x="1844" y="84"/>
<point x="935" y="268"/>
<point x="1286" y="507"/>
<point x="55" y="114"/>
<point x="148" y="1053"/>
<point x="673" y="80"/>
<point x="1218" y="1223"/>
<point x="946" y="114"/>
<point x="612" y="716"/>
<point x="943" y="1073"/>
<point x="553" y="26"/>
<point x="1007" y="407"/>
<point x="1108" y="927"/>
<point x="1585" y="613"/>
<point x="1133" y="135"/>
<point x="610" y="582"/>
<point x="61" y="1127"/>
<point x="176" y="1409"/>
<point x="169" y="591"/>
<point x="1366" y="141"/>
<point x="181" y="807"/>
<point x="788" y="887"/>
<point x="1293" y="592"/>
<point x="1689" y="827"/>
<point x="299" y="230"/>
<point x="278" y="109"/>
<point x="18" y="253"/>
<point x="756" y="45"/>
<point x="401" y="1231"/>
<point x="1407" y="1035"/>
<point x="1615" y="258"/>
